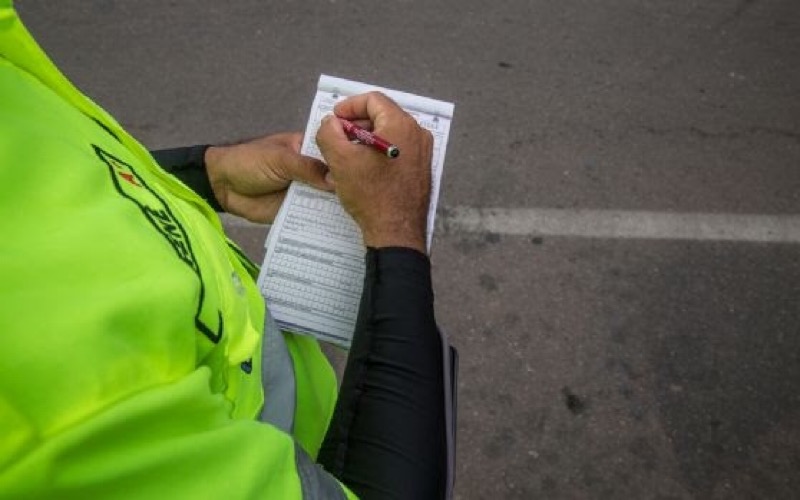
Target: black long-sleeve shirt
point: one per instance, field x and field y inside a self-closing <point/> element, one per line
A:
<point x="388" y="434"/>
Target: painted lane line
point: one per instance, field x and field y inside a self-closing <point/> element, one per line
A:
<point x="621" y="224"/>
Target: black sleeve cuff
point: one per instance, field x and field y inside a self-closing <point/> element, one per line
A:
<point x="393" y="259"/>
<point x="189" y="166"/>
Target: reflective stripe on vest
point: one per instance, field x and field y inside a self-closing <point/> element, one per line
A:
<point x="277" y="377"/>
<point x="315" y="481"/>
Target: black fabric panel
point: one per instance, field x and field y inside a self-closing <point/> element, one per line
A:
<point x="387" y="435"/>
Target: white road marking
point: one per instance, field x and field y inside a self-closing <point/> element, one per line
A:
<point x="606" y="224"/>
<point x="621" y="224"/>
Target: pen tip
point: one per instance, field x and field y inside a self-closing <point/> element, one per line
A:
<point x="393" y="152"/>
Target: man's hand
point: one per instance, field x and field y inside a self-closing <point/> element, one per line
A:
<point x="388" y="198"/>
<point x="250" y="179"/>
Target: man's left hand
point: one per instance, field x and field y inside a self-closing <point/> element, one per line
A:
<point x="250" y="179"/>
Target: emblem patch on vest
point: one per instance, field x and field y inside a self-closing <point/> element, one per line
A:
<point x="132" y="187"/>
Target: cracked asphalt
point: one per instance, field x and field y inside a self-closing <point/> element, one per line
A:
<point x="590" y="368"/>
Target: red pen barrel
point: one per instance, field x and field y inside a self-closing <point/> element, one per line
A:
<point x="366" y="137"/>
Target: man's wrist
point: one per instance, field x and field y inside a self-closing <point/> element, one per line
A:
<point x="213" y="167"/>
<point x="396" y="240"/>
<point x="211" y="159"/>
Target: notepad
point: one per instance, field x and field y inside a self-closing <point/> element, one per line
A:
<point x="313" y="271"/>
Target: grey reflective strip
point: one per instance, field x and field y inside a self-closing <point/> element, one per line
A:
<point x="315" y="481"/>
<point x="277" y="377"/>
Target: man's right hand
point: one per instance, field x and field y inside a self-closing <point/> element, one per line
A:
<point x="387" y="197"/>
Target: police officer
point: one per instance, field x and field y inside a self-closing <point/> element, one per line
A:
<point x="137" y="357"/>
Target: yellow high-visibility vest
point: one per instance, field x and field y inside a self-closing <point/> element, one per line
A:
<point x="130" y="327"/>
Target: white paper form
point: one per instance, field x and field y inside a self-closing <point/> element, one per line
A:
<point x="313" y="270"/>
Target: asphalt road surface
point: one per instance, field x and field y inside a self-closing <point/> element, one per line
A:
<point x="616" y="255"/>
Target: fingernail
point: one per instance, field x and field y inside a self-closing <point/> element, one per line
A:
<point x="326" y="117"/>
<point x="329" y="178"/>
